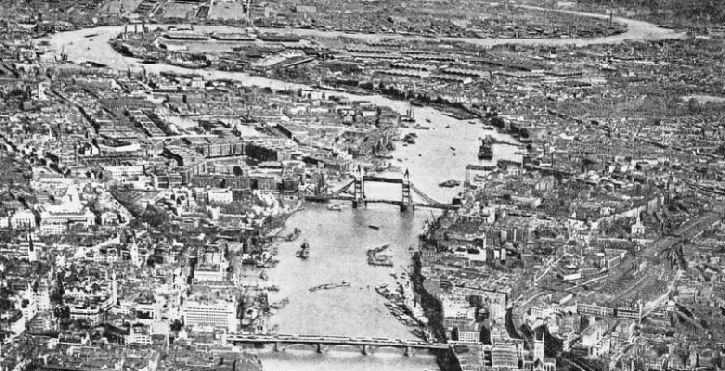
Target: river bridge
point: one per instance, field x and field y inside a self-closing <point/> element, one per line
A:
<point x="355" y="192"/>
<point x="322" y="344"/>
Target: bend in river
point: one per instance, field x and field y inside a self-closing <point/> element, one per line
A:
<point x="339" y="239"/>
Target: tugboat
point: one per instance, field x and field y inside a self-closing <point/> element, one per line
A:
<point x="485" y="151"/>
<point x="304" y="251"/>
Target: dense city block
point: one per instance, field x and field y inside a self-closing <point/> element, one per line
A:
<point x="474" y="185"/>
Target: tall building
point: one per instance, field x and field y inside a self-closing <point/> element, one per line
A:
<point x="539" y="346"/>
<point x="32" y="253"/>
<point x="136" y="260"/>
<point x="537" y="360"/>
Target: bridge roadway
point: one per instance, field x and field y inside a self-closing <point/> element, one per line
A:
<point x="391" y="202"/>
<point x="370" y="178"/>
<point x="322" y="343"/>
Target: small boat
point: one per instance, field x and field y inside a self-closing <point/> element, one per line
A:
<point x="453" y="149"/>
<point x="335" y="207"/>
<point x="293" y="236"/>
<point x="374" y="227"/>
<point x="383" y="291"/>
<point x="448" y="126"/>
<point x="472" y="122"/>
<point x="304" y="251"/>
<point x="427" y="120"/>
<point x="327" y="286"/>
<point x="450" y="183"/>
<point x="264" y="275"/>
<point x="280" y="304"/>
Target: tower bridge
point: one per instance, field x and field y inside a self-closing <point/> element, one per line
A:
<point x="355" y="192"/>
<point x="322" y="344"/>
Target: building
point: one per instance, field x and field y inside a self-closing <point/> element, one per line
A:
<point x="23" y="219"/>
<point x="538" y="361"/>
<point x="123" y="172"/>
<point x="91" y="313"/>
<point x="138" y="334"/>
<point x="506" y="354"/>
<point x="219" y="196"/>
<point x="56" y="219"/>
<point x="595" y="310"/>
<point x="219" y="314"/>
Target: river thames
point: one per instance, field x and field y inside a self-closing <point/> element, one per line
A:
<point x="339" y="239"/>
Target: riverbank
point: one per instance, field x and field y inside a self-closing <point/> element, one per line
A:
<point x="339" y="239"/>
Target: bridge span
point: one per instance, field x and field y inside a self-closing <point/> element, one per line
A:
<point x="355" y="192"/>
<point x="322" y="344"/>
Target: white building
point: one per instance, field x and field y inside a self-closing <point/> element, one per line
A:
<point x="22" y="219"/>
<point x="123" y="172"/>
<point x="91" y="313"/>
<point x="55" y="219"/>
<point x="214" y="273"/>
<point x="218" y="314"/>
<point x="42" y="298"/>
<point x="219" y="196"/>
<point x="138" y="334"/>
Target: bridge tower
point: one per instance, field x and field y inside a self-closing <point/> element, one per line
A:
<point x="358" y="188"/>
<point x="407" y="196"/>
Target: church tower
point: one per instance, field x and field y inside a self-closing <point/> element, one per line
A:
<point x="539" y="345"/>
<point x="32" y="253"/>
<point x="133" y="250"/>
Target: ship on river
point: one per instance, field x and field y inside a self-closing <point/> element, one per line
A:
<point x="328" y="286"/>
<point x="377" y="258"/>
<point x="279" y="305"/>
<point x="485" y="151"/>
<point x="304" y="251"/>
